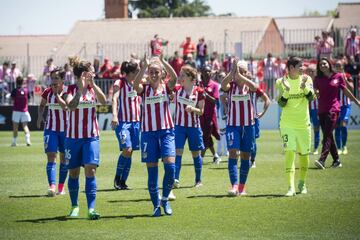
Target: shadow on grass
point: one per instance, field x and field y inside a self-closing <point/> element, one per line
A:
<point x="128" y="216"/>
<point x="64" y="218"/>
<point x="266" y="196"/>
<point x="130" y="200"/>
<point x="218" y="168"/>
<point x="210" y="196"/>
<point x="29" y="196"/>
<point x="46" y="220"/>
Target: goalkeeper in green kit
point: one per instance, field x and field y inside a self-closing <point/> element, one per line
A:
<point x="295" y="91"/>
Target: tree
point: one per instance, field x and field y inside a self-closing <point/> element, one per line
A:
<point x="170" y="8"/>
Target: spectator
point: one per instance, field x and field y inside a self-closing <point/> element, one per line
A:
<point x="115" y="71"/>
<point x="252" y="67"/>
<point x="279" y="68"/>
<point x="326" y="45"/>
<point x="317" y="46"/>
<point x="352" y="67"/>
<point x="190" y="61"/>
<point x="69" y="78"/>
<point x="30" y="83"/>
<point x="5" y="71"/>
<point x="96" y="65"/>
<point x="156" y="45"/>
<point x="13" y="74"/>
<point x="4" y="78"/>
<point x="105" y="69"/>
<point x="201" y="53"/>
<point x="188" y="47"/>
<point x="176" y="63"/>
<point x="352" y="45"/>
<point x="269" y="74"/>
<point x="226" y="65"/>
<point x="214" y="62"/>
<point x="49" y="67"/>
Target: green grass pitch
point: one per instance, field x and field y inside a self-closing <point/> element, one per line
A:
<point x="331" y="209"/>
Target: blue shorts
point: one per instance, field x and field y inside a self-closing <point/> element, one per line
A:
<point x="314" y="118"/>
<point x="345" y="112"/>
<point x="240" y="138"/>
<point x="192" y="134"/>
<point x="82" y="151"/>
<point x="157" y="144"/>
<point x="257" y="128"/>
<point x="128" y="135"/>
<point x="54" y="141"/>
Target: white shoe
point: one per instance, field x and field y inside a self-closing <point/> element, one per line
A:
<point x="61" y="193"/>
<point x="14" y="144"/>
<point x="242" y="194"/>
<point x="171" y="196"/>
<point x="233" y="192"/>
<point x="316" y="152"/>
<point x="217" y="160"/>
<point x="176" y="183"/>
<point x="253" y="165"/>
<point x="227" y="153"/>
<point x="291" y="193"/>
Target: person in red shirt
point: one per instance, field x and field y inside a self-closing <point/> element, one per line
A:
<point x="188" y="47"/>
<point x="208" y="120"/>
<point x="20" y="113"/>
<point x="177" y="62"/>
<point x="105" y="69"/>
<point x="156" y="45"/>
<point x="115" y="72"/>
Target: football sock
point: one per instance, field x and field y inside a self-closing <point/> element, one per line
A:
<point x="90" y="190"/>
<point x="338" y="137"/>
<point x="126" y="169"/>
<point x="62" y="173"/>
<point x="73" y="186"/>
<point x="316" y="139"/>
<point x="253" y="153"/>
<point x="120" y="166"/>
<point x="290" y="168"/>
<point x="304" y="165"/>
<point x="153" y="185"/>
<point x="51" y="172"/>
<point x="198" y="168"/>
<point x="244" y="170"/>
<point x="168" y="180"/>
<point x="232" y="167"/>
<point x="344" y="134"/>
<point x="177" y="166"/>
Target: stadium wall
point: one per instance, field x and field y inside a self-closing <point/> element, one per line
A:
<point x="269" y="121"/>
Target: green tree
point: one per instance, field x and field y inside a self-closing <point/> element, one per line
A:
<point x="168" y="8"/>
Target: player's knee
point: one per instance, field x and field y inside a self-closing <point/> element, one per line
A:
<point x="343" y="123"/>
<point x="233" y="153"/>
<point x="127" y="152"/>
<point x="195" y="153"/>
<point x="179" y="151"/>
<point x="51" y="156"/>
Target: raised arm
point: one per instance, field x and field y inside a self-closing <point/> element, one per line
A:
<point x="225" y="84"/>
<point x="138" y="86"/>
<point x="172" y="81"/>
<point x="73" y="101"/>
<point x="349" y="94"/>
<point x="100" y="96"/>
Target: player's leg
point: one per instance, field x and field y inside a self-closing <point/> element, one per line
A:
<point x="233" y="144"/>
<point x="63" y="170"/>
<point x="91" y="160"/>
<point x="167" y="146"/>
<point x="180" y="133"/>
<point x="289" y="145"/>
<point x="196" y="144"/>
<point x="247" y="140"/>
<point x="51" y="144"/>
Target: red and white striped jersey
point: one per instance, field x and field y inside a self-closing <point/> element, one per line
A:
<point x="155" y="110"/>
<point x="314" y="104"/>
<point x="182" y="99"/>
<point x="240" y="106"/>
<point x="82" y="121"/>
<point x="56" y="119"/>
<point x="129" y="102"/>
<point x="344" y="100"/>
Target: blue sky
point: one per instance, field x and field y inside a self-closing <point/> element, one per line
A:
<point x="58" y="17"/>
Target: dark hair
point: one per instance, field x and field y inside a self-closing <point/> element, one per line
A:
<point x="6" y="63"/>
<point x="19" y="81"/>
<point x="128" y="67"/>
<point x="319" y="73"/>
<point x="58" y="72"/>
<point x="293" y="61"/>
<point x="79" y="66"/>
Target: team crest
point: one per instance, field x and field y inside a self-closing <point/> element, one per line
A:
<point x="144" y="155"/>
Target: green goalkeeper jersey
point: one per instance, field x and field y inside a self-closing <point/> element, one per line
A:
<point x="295" y="114"/>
